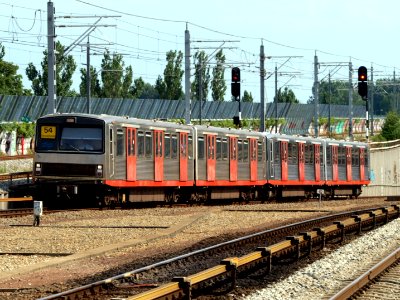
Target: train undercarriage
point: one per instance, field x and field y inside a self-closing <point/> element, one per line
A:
<point x="94" y="193"/>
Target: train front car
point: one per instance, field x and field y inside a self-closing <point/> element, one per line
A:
<point x="69" y="159"/>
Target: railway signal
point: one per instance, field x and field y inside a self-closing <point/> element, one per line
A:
<point x="235" y="85"/>
<point x="362" y="82"/>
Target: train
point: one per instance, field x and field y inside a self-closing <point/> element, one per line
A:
<point x="114" y="160"/>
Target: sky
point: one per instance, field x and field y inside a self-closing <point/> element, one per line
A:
<point x="291" y="31"/>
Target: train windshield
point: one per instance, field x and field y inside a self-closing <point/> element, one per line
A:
<point x="71" y="139"/>
<point x="81" y="139"/>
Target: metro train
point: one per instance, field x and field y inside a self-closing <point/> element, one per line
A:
<point x="112" y="160"/>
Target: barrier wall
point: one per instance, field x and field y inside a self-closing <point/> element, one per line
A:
<point x="385" y="170"/>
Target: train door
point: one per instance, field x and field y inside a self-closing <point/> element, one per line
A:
<point x="253" y="159"/>
<point x="348" y="163"/>
<point x="183" y="156"/>
<point x="158" y="137"/>
<point x="131" y="154"/>
<point x="301" y="160"/>
<point x="211" y="156"/>
<point x="362" y="164"/>
<point x="233" y="156"/>
<point x="317" y="162"/>
<point x="335" y="172"/>
<point x="284" y="159"/>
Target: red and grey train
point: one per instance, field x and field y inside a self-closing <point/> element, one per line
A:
<point x="112" y="159"/>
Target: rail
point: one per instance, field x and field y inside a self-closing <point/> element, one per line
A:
<point x="15" y="157"/>
<point x="362" y="281"/>
<point x="293" y="246"/>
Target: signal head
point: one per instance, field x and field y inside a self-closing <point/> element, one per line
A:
<point x="362" y="73"/>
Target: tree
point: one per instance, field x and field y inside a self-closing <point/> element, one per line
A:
<point x="10" y="82"/>
<point x="391" y="128"/>
<point x="95" y="88"/>
<point x="218" y="85"/>
<point x="149" y="92"/>
<point x="115" y="83"/>
<point x="173" y="74"/>
<point x="137" y="89"/>
<point x="203" y="72"/>
<point x="247" y="97"/>
<point x="287" y="96"/>
<point x="171" y="86"/>
<point x="66" y="67"/>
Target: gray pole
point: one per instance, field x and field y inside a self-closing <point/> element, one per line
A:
<point x="316" y="95"/>
<point x="395" y="91"/>
<point x="276" y="99"/>
<point x="350" y="101"/>
<point x="329" y="107"/>
<point x="262" y="78"/>
<point x="51" y="80"/>
<point x="372" y="101"/>
<point x="200" y="93"/>
<point x="187" y="76"/>
<point x="88" y="77"/>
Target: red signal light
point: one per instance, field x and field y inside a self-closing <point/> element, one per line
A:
<point x="235" y="74"/>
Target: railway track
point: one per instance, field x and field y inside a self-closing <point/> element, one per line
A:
<point x="219" y="266"/>
<point x="380" y="280"/>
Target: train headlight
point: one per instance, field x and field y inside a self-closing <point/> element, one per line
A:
<point x="99" y="171"/>
<point x="38" y="168"/>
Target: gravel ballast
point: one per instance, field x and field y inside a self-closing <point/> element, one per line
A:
<point x="328" y="275"/>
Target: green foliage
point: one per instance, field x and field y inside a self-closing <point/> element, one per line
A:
<point x="218" y="85"/>
<point x="23" y="129"/>
<point x="10" y="81"/>
<point x="170" y="87"/>
<point x="65" y="69"/>
<point x="95" y="88"/>
<point x="201" y="71"/>
<point x="391" y="128"/>
<point x="287" y="96"/>
<point x="115" y="83"/>
<point x="247" y="97"/>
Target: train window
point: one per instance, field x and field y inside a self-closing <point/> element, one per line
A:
<point x="355" y="157"/>
<point x="245" y="150"/>
<point x="120" y="142"/>
<point x="309" y="154"/>
<point x="46" y="138"/>
<point x="240" y="150"/>
<point x="293" y="153"/>
<point x="277" y="151"/>
<point x="328" y="155"/>
<point x="167" y="145"/>
<point x="260" y="151"/>
<point x="140" y="143"/>
<point x="224" y="149"/>
<point x="183" y="145"/>
<point x="219" y="149"/>
<point x="233" y="148"/>
<point x="174" y="146"/>
<point x="130" y="146"/>
<point x="148" y="145"/>
<point x="81" y="139"/>
<point x="200" y="144"/>
<point x="342" y="156"/>
<point x="190" y="147"/>
<point x="321" y="155"/>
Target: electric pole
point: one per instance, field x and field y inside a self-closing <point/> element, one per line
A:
<point x="316" y="95"/>
<point x="262" y="77"/>
<point x="350" y="101"/>
<point x="51" y="60"/>
<point x="187" y="76"/>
